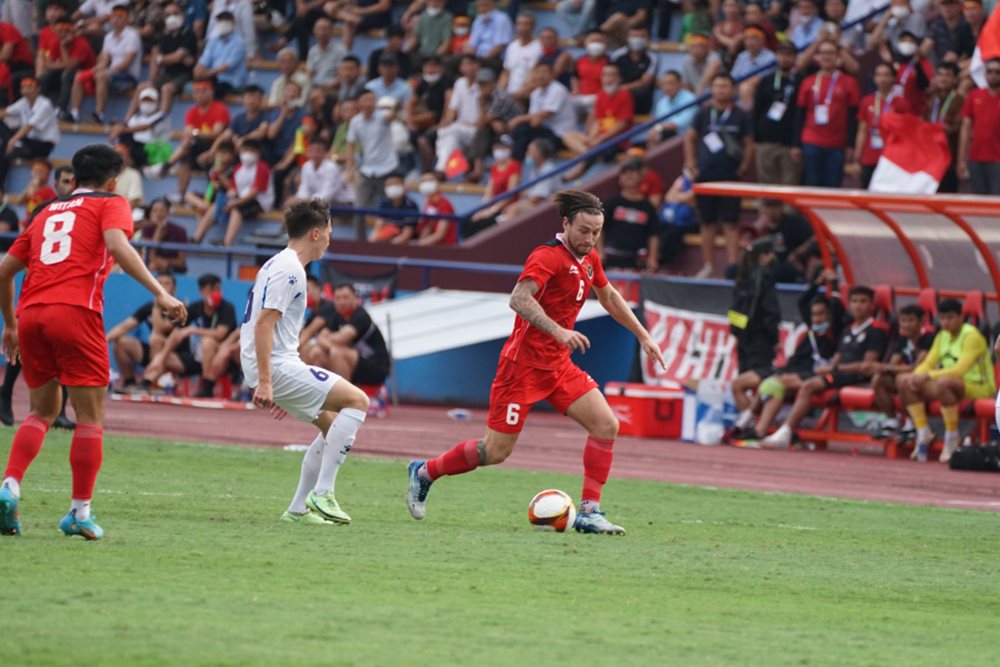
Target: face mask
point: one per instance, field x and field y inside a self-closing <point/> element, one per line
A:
<point x="248" y="158"/>
<point x="394" y="191"/>
<point x="427" y="188"/>
<point x="906" y="49"/>
<point x="433" y="11"/>
<point x="595" y="49"/>
<point x="610" y="90"/>
<point x="384" y="114"/>
<point x="637" y="43"/>
<point x="174" y="22"/>
<point x="820" y="329"/>
<point x="214" y="299"/>
<point x="461" y="30"/>
<point x="147" y="107"/>
<point x="500" y="154"/>
<point x="899" y="12"/>
<point x="223" y="28"/>
<point x="432" y="78"/>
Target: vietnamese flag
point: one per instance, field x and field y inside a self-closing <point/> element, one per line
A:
<point x="456" y="164"/>
<point x="915" y="156"/>
<point x="987" y="47"/>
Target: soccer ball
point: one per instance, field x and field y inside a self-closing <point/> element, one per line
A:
<point x="552" y="509"/>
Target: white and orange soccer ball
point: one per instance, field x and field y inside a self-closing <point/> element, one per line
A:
<point x="552" y="509"/>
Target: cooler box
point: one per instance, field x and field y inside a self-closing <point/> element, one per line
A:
<point x="646" y="411"/>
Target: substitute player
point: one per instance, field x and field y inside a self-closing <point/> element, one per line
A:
<point x="59" y="328"/>
<point x="282" y="382"/>
<point x="535" y="363"/>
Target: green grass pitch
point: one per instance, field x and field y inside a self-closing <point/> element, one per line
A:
<point x="196" y="569"/>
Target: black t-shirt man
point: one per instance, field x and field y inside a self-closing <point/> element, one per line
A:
<point x="169" y="43"/>
<point x="373" y="355"/>
<point x="720" y="142"/>
<point x="628" y="226"/>
<point x="774" y="109"/>
<point x="855" y="342"/>
<point x="908" y="351"/>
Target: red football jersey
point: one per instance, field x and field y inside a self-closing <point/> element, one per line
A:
<point x="64" y="249"/>
<point x="564" y="281"/>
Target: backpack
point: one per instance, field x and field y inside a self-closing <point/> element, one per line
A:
<point x="976" y="457"/>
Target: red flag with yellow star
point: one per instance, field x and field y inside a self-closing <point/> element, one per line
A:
<point x="456" y="164"/>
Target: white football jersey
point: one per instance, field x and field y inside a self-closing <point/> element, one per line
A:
<point x="280" y="285"/>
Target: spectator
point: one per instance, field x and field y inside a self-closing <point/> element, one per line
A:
<point x="65" y="181"/>
<point x="945" y="107"/>
<point x="497" y="109"/>
<point x="148" y="18"/>
<point x="307" y="13"/>
<point x="344" y="111"/>
<point x="755" y="314"/>
<point x="613" y="114"/>
<point x="949" y="37"/>
<point x="893" y="23"/>
<point x="284" y="124"/>
<point x="242" y="13"/>
<point x="93" y="16"/>
<point x="520" y="58"/>
<point x="578" y="15"/>
<point x="395" y="230"/>
<point x="15" y="52"/>
<point x="651" y="185"/>
<point x="431" y="230"/>
<point x="825" y="122"/>
<point x="146" y="132"/>
<point x="362" y="16"/>
<point x="677" y="218"/>
<point x="972" y="12"/>
<point x="624" y="15"/>
<point x="829" y="34"/>
<point x="792" y="239"/>
<point x="540" y="161"/>
<point x="807" y="27"/>
<point x="854" y="40"/>
<point x="979" y="140"/>
<point x="320" y="177"/>
<point x="173" y="57"/>
<point x="160" y="228"/>
<point x="915" y="73"/>
<point x="60" y="57"/>
<point x="557" y="57"/>
<point x="774" y="121"/>
<point x="388" y="82"/>
<point x="458" y="125"/>
<point x="425" y="109"/>
<point x="349" y="83"/>
<point x="631" y="228"/>
<point x="324" y="56"/>
<point x="352" y="346"/>
<point x="129" y="181"/>
<point x="209" y="205"/>
<point x="318" y="313"/>
<point x="505" y="175"/>
<point x="491" y="33"/>
<point x="37" y="192"/>
<point x="676" y="105"/>
<point x="203" y="123"/>
<point x="587" y="78"/>
<point x="252" y="192"/>
<point x="638" y="68"/>
<point x="288" y="65"/>
<point x="728" y="33"/>
<point x="751" y="59"/>
<point x="249" y="124"/>
<point x="719" y="147"/>
<point x="224" y="59"/>
<point x="432" y="32"/>
<point x="753" y="14"/>
<point x="37" y="127"/>
<point x="908" y="349"/>
<point x="48" y="37"/>
<point x="868" y="144"/>
<point x="131" y="351"/>
<point x="190" y="349"/>
<point x="368" y="135"/>
<point x="459" y="38"/>
<point x="550" y="115"/>
<point x="697" y="21"/>
<point x="118" y="67"/>
<point x="700" y="65"/>
<point x="393" y="47"/>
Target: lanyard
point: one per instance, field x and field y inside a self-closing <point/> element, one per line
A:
<point x="829" y="90"/>
<point x="938" y="110"/>
<point x="787" y="87"/>
<point x="817" y="357"/>
<point x="714" y="126"/>
<point x="907" y="71"/>
<point x="881" y="104"/>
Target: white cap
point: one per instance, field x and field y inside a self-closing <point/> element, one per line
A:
<point x="149" y="94"/>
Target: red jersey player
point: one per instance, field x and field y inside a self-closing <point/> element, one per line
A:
<point x="59" y="327"/>
<point x="535" y="363"/>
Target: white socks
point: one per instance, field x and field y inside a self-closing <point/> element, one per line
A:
<point x="311" y="461"/>
<point x="745" y="420"/>
<point x="82" y="508"/>
<point x="339" y="440"/>
<point x="13" y="485"/>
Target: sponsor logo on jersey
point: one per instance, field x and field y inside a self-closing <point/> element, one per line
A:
<point x="573" y="271"/>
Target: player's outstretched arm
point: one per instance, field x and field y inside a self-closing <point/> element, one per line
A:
<point x="524" y="303"/>
<point x="263" y="331"/>
<point x="132" y="264"/>
<point x="618" y="308"/>
<point x="10" y="266"/>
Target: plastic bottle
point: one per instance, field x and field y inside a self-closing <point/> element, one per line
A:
<point x="460" y="414"/>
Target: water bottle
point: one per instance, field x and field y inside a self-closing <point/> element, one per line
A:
<point x="460" y="414"/>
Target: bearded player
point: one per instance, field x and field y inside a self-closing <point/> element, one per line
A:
<point x="535" y="363"/>
<point x="59" y="328"/>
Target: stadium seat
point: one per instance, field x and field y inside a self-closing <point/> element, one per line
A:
<point x="927" y="300"/>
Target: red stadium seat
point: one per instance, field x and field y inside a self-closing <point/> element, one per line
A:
<point x="885" y="304"/>
<point x="927" y="299"/>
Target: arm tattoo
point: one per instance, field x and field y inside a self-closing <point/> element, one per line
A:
<point x="523" y="302"/>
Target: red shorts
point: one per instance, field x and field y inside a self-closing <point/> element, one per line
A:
<point x="517" y="387"/>
<point x="64" y="342"/>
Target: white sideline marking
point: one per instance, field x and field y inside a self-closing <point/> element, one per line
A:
<point x="974" y="503"/>
<point x="156" y="494"/>
<point x="788" y="526"/>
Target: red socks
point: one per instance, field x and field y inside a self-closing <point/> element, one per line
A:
<point x="461" y="458"/>
<point x="85" y="455"/>
<point x="596" y="467"/>
<point x="27" y="441"/>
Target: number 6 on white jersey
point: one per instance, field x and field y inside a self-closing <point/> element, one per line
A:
<point x="57" y="243"/>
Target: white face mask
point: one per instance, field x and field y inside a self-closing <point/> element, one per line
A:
<point x="906" y="49"/>
<point x="637" y="43"/>
<point x="595" y="49"/>
<point x="610" y="90"/>
<point x="384" y="114"/>
<point x="501" y="154"/>
<point x="174" y="22"/>
<point x="427" y="188"/>
<point x="394" y="191"/>
<point x="247" y="157"/>
<point x="432" y="78"/>
<point x="461" y="30"/>
<point x="223" y="28"/>
<point x="433" y="11"/>
<point x="899" y="11"/>
<point x="147" y="107"/>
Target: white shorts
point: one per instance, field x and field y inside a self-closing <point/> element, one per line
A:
<point x="301" y="390"/>
<point x="996" y="412"/>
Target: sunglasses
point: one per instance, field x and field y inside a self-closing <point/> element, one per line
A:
<point x="993" y="71"/>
